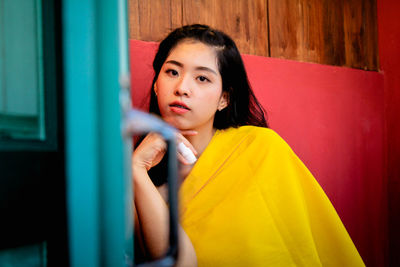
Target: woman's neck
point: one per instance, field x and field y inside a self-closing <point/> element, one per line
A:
<point x="201" y="139"/>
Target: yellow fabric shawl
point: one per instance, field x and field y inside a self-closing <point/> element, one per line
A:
<point x="249" y="201"/>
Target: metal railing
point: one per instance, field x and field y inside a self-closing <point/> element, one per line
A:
<point x="135" y="122"/>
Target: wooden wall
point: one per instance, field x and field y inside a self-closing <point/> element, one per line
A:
<point x="340" y="32"/>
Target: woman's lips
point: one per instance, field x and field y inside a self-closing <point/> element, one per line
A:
<point x="179" y="110"/>
<point x="179" y="107"/>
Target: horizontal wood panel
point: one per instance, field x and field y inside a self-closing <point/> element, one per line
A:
<point x="244" y="21"/>
<point x="342" y="32"/>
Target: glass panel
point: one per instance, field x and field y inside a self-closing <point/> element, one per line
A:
<point x="33" y="255"/>
<point x="21" y="70"/>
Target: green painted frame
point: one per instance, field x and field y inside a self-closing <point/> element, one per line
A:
<point x="32" y="184"/>
<point x="97" y="171"/>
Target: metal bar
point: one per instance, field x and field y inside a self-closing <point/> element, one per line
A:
<point x="137" y="122"/>
<point x="125" y="106"/>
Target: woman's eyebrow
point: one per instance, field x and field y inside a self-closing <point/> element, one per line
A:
<point x="175" y="63"/>
<point x="206" y="69"/>
<point x="179" y="64"/>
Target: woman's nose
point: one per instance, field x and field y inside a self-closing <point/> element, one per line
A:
<point x="183" y="87"/>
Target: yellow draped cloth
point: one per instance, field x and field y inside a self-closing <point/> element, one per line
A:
<point x="250" y="201"/>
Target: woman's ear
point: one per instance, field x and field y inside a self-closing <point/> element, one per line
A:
<point x="223" y="101"/>
<point x="155" y="88"/>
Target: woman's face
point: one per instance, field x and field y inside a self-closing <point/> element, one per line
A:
<point x="189" y="87"/>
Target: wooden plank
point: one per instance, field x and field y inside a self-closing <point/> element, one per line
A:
<point x="339" y="32"/>
<point x="133" y="18"/>
<point x="332" y="44"/>
<point x="152" y="20"/>
<point x="283" y="23"/>
<point x="245" y="21"/>
<point x="360" y="27"/>
<point x="306" y="31"/>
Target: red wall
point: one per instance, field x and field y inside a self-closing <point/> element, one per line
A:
<point x="333" y="119"/>
<point x="389" y="54"/>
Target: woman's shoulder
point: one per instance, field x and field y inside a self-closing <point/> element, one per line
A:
<point x="259" y="140"/>
<point x="256" y="132"/>
<point x="263" y="138"/>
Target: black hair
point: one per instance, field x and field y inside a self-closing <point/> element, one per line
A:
<point x="243" y="107"/>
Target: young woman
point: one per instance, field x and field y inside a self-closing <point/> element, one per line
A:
<point x="248" y="200"/>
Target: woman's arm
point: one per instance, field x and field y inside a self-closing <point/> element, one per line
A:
<point x="152" y="211"/>
<point x="139" y="242"/>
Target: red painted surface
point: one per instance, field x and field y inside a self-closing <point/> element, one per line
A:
<point x="389" y="54"/>
<point x="333" y="119"/>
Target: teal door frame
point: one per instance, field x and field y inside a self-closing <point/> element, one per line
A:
<point x="97" y="157"/>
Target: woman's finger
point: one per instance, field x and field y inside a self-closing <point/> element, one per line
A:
<point x="182" y="159"/>
<point x="180" y="138"/>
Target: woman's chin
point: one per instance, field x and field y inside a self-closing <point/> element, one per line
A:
<point x="182" y="127"/>
<point x="178" y="125"/>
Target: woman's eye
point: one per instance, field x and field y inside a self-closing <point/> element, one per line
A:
<point x="203" y="79"/>
<point x="172" y="72"/>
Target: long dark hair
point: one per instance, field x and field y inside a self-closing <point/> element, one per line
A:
<point x="243" y="107"/>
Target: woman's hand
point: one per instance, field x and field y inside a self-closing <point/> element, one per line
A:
<point x="152" y="211"/>
<point x="152" y="149"/>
